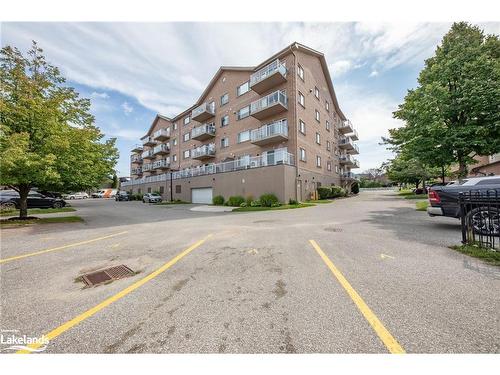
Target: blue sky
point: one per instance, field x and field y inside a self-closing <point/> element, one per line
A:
<point x="131" y="71"/>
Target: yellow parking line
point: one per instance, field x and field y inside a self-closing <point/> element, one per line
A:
<point x="87" y="314"/>
<point x="385" y="336"/>
<point x="59" y="248"/>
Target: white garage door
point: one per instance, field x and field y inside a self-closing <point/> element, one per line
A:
<point x="201" y="195"/>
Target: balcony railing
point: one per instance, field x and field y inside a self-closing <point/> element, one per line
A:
<point x="348" y="176"/>
<point x="280" y="158"/>
<point x="147" y="167"/>
<point x="136" y="171"/>
<point x="269" y="105"/>
<point x="354" y="135"/>
<point x="204" y="152"/>
<point x="203" y="112"/>
<point x="148" y="154"/>
<point x="346" y="127"/>
<point x="161" y="164"/>
<point x="135" y="158"/>
<point x="274" y="132"/>
<point x="348" y="161"/>
<point x="205" y="131"/>
<point x="268" y="77"/>
<point x="137" y="148"/>
<point x="148" y="141"/>
<point x="347" y="144"/>
<point x="161" y="134"/>
<point x="161" y="149"/>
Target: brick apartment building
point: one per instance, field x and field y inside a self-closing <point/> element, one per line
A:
<point x="274" y="128"/>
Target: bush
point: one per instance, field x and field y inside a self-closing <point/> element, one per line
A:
<point x="235" y="201"/>
<point x="324" y="192"/>
<point x="277" y="204"/>
<point x="255" y="203"/>
<point x="249" y="200"/>
<point x="292" y="202"/>
<point x="355" y="188"/>
<point x="218" y="200"/>
<point x="337" y="191"/>
<point x="244" y="204"/>
<point x="267" y="200"/>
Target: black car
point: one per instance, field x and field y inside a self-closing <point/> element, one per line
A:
<point x="122" y="196"/>
<point x="9" y="199"/>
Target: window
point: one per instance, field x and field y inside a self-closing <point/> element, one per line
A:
<point x="336" y="169"/>
<point x="245" y="87"/>
<point x="329" y="166"/>
<point x="327" y="105"/>
<point x="187" y="154"/>
<point x="185" y="137"/>
<point x="224" y="99"/>
<point x="243" y="161"/>
<point x="224" y="121"/>
<point x="318" y="139"/>
<point x="174" y="158"/>
<point x="318" y="161"/>
<point x="187" y="120"/>
<point x="244" y="136"/>
<point x="174" y="141"/>
<point x="302" y="154"/>
<point x="175" y="126"/>
<point x="300" y="72"/>
<point x="224" y="142"/>
<point x="316" y="92"/>
<point x="327" y="125"/>
<point x="302" y="100"/>
<point x="162" y="189"/>
<point x="149" y="190"/>
<point x="302" y="127"/>
<point x="317" y="115"/>
<point x="489" y="181"/>
<point x="177" y="189"/>
<point x="244" y="112"/>
<point x="328" y="146"/>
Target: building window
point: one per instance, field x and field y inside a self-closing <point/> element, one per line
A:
<point x="149" y="190"/>
<point x="244" y="136"/>
<point x="224" y="121"/>
<point x="302" y="154"/>
<point x="174" y="158"/>
<point x="302" y="127"/>
<point x="162" y="189"/>
<point x="187" y="154"/>
<point x="318" y="161"/>
<point x="300" y="72"/>
<point x="174" y="141"/>
<point x="317" y="115"/>
<point x="175" y="126"/>
<point x="224" y="99"/>
<point x="177" y="189"/>
<point x="245" y="87"/>
<point x="328" y="146"/>
<point x="224" y="142"/>
<point x="185" y="137"/>
<point x="329" y="166"/>
<point x="318" y="139"/>
<point x="302" y="100"/>
<point x="327" y="125"/>
<point x="187" y="120"/>
<point x="244" y="112"/>
<point x="336" y="169"/>
<point x="327" y="105"/>
<point x="316" y="92"/>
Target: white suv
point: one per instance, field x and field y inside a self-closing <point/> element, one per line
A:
<point x="79" y="195"/>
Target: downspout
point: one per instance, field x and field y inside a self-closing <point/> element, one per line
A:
<point x="295" y="116"/>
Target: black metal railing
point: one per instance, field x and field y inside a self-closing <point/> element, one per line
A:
<point x="480" y="217"/>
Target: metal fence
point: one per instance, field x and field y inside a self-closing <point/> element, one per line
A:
<point x="480" y="218"/>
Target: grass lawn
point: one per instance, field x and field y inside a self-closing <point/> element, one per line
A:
<point x="34" y="211"/>
<point x="422" y="205"/>
<point x="45" y="220"/>
<point x="320" y="201"/>
<point x="489" y="256"/>
<point x="408" y="194"/>
<point x="282" y="207"/>
<point x="174" y="202"/>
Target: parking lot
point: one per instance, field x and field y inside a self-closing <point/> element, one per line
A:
<point x="368" y="274"/>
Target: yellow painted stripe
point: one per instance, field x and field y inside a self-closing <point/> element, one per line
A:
<point x="87" y="314"/>
<point x="59" y="248"/>
<point x="385" y="336"/>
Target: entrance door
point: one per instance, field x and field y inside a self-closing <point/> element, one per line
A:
<point x="201" y="195"/>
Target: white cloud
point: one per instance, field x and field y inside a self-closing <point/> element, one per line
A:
<point x="340" y="67"/>
<point x="99" y="95"/>
<point x="127" y="108"/>
<point x="374" y="73"/>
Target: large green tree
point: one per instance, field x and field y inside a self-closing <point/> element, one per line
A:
<point x="404" y="169"/>
<point x="48" y="138"/>
<point x="454" y="113"/>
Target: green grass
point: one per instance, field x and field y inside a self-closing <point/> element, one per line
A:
<point x="45" y="220"/>
<point x="282" y="207"/>
<point x="476" y="251"/>
<point x="422" y="205"/>
<point x="408" y="194"/>
<point x="320" y="201"/>
<point x="168" y="203"/>
<point x="34" y="211"/>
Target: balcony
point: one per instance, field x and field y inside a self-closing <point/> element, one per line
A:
<point x="148" y="141"/>
<point x="354" y="150"/>
<point x="147" y="167"/>
<point x="354" y="135"/>
<point x="203" y="112"/>
<point x="136" y="158"/>
<point x="161" y="134"/>
<point x="346" y="127"/>
<point x="136" y="171"/>
<point x="346" y="143"/>
<point x="204" y="152"/>
<point x="269" y="105"/>
<point x="348" y="176"/>
<point x="137" y="148"/>
<point x="162" y="149"/>
<point x="268" y="77"/>
<point x="148" y="154"/>
<point x="271" y="133"/>
<point x="162" y="164"/>
<point x="348" y="161"/>
<point x="203" y="132"/>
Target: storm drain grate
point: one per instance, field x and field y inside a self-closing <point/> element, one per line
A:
<point x="109" y="274"/>
<point x="333" y="229"/>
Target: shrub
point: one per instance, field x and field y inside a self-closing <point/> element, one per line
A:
<point x="336" y="191"/>
<point x="243" y="204"/>
<point x="292" y="202"/>
<point x="324" y="192"/>
<point x="277" y="204"/>
<point x="249" y="200"/>
<point x="157" y="192"/>
<point x="267" y="200"/>
<point x="255" y="203"/>
<point x="218" y="200"/>
<point x="235" y="200"/>
<point x="355" y="188"/>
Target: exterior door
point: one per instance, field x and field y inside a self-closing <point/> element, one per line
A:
<point x="202" y="195"/>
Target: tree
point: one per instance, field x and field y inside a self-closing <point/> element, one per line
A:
<point x="453" y="114"/>
<point x="407" y="170"/>
<point x="48" y="137"/>
<point x="115" y="182"/>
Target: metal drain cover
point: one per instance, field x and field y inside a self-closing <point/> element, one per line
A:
<point x="333" y="229"/>
<point x="108" y="274"/>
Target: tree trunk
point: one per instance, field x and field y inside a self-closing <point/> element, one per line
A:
<point x="23" y="201"/>
<point x="462" y="168"/>
<point x="442" y="174"/>
<point x="417" y="184"/>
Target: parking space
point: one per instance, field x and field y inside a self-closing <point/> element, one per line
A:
<point x="360" y="275"/>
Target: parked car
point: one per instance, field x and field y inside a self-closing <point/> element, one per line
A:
<point x="78" y="195"/>
<point x="122" y="196"/>
<point x="106" y="193"/>
<point x="443" y="200"/>
<point x="9" y="199"/>
<point x="151" y="198"/>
